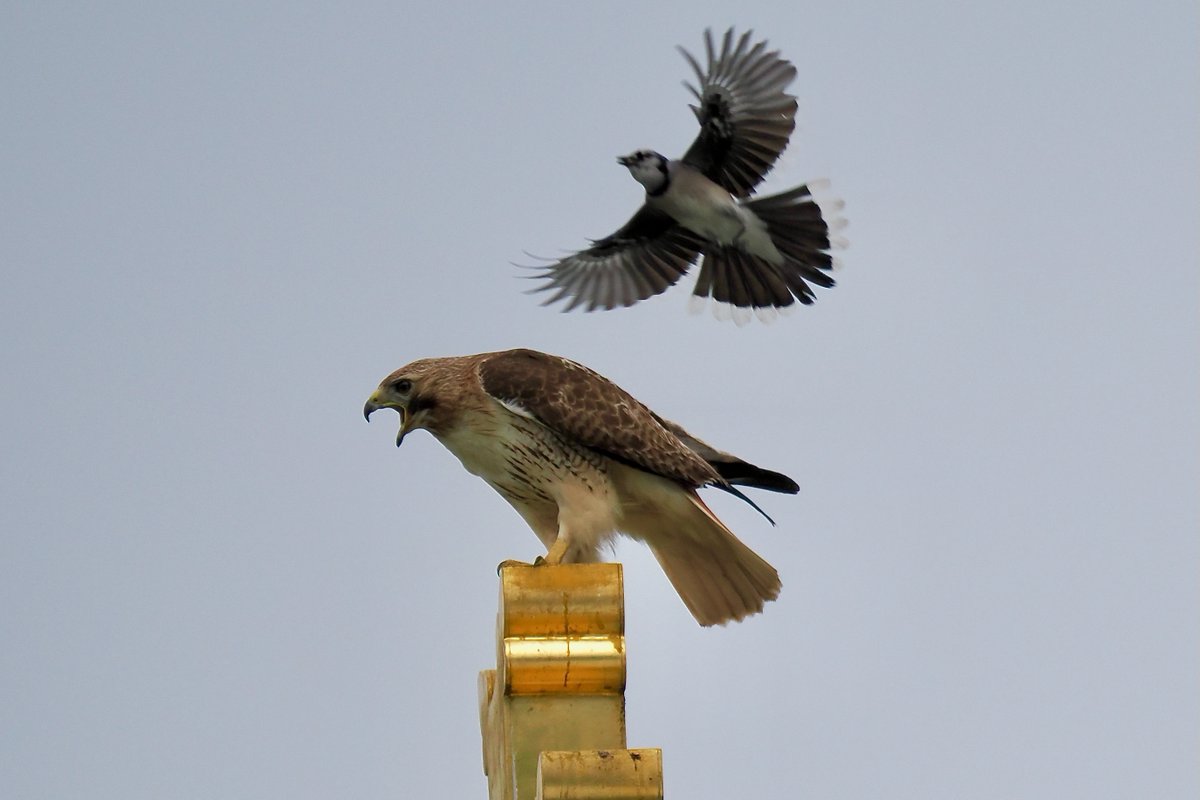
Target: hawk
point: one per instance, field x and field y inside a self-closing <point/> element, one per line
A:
<point x="759" y="254"/>
<point x="580" y="459"/>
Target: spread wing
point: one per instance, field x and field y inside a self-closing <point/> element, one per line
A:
<point x="649" y="253"/>
<point x="590" y="410"/>
<point x="745" y="115"/>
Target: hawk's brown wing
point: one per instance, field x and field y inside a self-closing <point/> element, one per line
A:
<point x="589" y="410"/>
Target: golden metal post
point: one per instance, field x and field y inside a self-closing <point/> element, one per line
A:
<point x="600" y="775"/>
<point x="552" y="713"/>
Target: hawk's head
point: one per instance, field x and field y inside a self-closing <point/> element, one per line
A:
<point x="413" y="391"/>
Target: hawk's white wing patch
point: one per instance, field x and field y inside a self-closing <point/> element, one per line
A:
<point x="514" y="408"/>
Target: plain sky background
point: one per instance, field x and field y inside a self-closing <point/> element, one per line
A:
<point x="222" y="224"/>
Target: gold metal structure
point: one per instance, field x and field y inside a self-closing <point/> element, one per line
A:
<point x="552" y="713"/>
<point x="600" y="775"/>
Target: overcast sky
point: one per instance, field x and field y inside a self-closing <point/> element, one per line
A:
<point x="222" y="224"/>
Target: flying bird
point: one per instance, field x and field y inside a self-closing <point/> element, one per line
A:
<point x="759" y="254"/>
<point x="580" y="460"/>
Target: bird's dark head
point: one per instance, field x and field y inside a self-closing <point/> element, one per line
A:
<point x="648" y="168"/>
<point x="413" y="391"/>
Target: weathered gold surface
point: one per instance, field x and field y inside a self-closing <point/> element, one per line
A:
<point x="560" y="677"/>
<point x="517" y="729"/>
<point x="571" y="600"/>
<point x="487" y="686"/>
<point x="564" y="664"/>
<point x="600" y="775"/>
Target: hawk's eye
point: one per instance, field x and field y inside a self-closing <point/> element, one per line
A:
<point x="402" y="386"/>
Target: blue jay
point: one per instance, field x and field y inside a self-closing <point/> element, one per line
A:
<point x="759" y="254"/>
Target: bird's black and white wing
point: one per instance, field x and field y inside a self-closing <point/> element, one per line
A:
<point x="648" y="254"/>
<point x="745" y="115"/>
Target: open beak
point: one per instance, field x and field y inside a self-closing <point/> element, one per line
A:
<point x="624" y="161"/>
<point x="373" y="404"/>
<point x="370" y="408"/>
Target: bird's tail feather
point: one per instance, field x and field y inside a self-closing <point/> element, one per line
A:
<point x="718" y="577"/>
<point x="802" y="231"/>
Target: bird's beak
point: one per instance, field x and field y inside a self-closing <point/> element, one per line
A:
<point x="624" y="161"/>
<point x="374" y="403"/>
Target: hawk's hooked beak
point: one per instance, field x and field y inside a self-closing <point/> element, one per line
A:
<point x="374" y="403"/>
<point x="624" y="161"/>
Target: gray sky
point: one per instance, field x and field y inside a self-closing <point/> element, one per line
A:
<point x="220" y="227"/>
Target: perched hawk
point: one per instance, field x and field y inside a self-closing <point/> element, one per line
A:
<point x="760" y="254"/>
<point x="580" y="459"/>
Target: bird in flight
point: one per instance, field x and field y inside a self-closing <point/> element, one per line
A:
<point x="580" y="460"/>
<point x="760" y="254"/>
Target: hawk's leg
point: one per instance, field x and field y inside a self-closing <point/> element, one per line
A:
<point x="512" y="562"/>
<point x="558" y="550"/>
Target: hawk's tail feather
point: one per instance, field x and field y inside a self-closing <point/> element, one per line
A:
<point x="718" y="577"/>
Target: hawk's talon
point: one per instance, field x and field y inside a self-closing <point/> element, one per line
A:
<point x="511" y="562"/>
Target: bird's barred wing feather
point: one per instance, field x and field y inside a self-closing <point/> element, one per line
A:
<point x="745" y="115"/>
<point x="646" y="256"/>
<point x="730" y="467"/>
<point x="587" y="409"/>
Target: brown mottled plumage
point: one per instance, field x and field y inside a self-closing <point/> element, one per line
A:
<point x="580" y="459"/>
